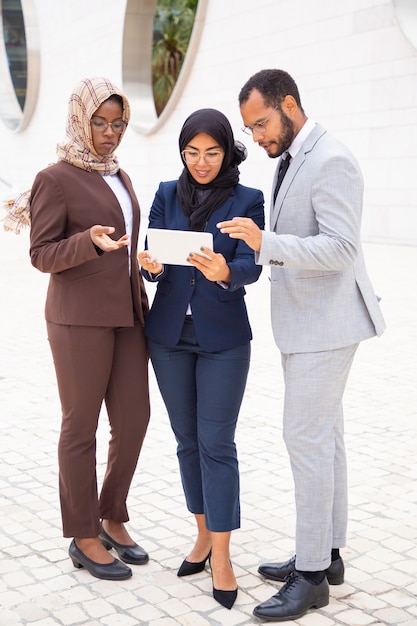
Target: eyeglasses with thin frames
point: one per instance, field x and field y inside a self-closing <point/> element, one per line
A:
<point x="259" y="127"/>
<point x="211" y="157"/>
<point x="100" y="125"/>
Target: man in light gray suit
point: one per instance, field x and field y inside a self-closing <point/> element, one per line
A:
<point x="322" y="306"/>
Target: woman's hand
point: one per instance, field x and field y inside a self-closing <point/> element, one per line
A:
<point x="214" y="268"/>
<point x="149" y="264"/>
<point x="100" y="237"/>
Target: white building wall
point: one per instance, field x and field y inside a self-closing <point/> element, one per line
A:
<point x="356" y="71"/>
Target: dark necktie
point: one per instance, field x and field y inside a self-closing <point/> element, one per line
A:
<point x="283" y="166"/>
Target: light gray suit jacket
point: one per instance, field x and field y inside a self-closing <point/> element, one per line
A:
<point x="321" y="295"/>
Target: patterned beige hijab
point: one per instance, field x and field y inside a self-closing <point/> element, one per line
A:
<point x="77" y="148"/>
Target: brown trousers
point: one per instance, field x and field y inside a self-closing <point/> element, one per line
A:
<point x="93" y="364"/>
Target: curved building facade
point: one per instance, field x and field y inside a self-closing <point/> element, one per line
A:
<point x="355" y="63"/>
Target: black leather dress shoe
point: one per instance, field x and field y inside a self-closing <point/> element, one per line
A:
<point x="135" y="555"/>
<point x="106" y="571"/>
<point x="294" y="599"/>
<point x="335" y="573"/>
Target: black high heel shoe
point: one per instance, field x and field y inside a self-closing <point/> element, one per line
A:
<point x="187" y="568"/>
<point x="225" y="598"/>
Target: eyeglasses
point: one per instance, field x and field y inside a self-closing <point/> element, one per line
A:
<point x="212" y="157"/>
<point x="258" y="127"/>
<point x="117" y="127"/>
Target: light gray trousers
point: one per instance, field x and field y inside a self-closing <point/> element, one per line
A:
<point x="313" y="432"/>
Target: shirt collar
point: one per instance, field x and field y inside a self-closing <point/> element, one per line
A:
<point x="301" y="137"/>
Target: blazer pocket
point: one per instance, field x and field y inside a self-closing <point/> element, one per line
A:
<point x="77" y="277"/>
<point x="318" y="275"/>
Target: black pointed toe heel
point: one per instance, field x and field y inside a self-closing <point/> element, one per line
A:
<point x="187" y="568"/>
<point x="225" y="598"/>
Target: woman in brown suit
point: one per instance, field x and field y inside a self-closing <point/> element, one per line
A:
<point x="84" y="230"/>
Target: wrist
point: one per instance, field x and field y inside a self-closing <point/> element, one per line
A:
<point x="227" y="276"/>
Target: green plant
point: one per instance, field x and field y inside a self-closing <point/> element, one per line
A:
<point x="173" y="24"/>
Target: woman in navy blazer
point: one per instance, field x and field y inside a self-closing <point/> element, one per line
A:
<point x="199" y="334"/>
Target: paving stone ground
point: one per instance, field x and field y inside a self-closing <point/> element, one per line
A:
<point x="40" y="587"/>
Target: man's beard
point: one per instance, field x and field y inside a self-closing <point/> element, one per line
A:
<point x="284" y="141"/>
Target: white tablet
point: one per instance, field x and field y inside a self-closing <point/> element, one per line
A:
<point x="172" y="247"/>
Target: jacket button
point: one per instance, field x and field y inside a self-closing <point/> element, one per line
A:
<point x="192" y="281"/>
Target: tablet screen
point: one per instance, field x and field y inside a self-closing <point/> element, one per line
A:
<point x="172" y="247"/>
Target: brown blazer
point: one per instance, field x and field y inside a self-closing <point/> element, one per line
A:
<point x="86" y="288"/>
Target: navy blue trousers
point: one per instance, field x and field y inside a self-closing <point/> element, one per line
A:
<point x="202" y="392"/>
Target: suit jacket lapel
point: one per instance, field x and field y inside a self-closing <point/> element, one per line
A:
<point x="295" y="164"/>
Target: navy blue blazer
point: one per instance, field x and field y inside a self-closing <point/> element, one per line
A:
<point x="219" y="314"/>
